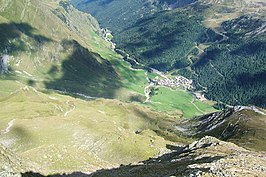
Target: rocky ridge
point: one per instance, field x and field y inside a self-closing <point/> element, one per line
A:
<point x="10" y="164"/>
<point x="244" y="126"/>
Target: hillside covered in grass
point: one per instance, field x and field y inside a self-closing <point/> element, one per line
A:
<point x="77" y="135"/>
<point x="43" y="52"/>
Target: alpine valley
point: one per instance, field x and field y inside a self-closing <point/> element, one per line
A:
<point x="132" y="88"/>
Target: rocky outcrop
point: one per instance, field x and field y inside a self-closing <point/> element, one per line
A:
<point x="232" y="159"/>
<point x="244" y="126"/>
<point x="10" y="164"/>
<point x="4" y="64"/>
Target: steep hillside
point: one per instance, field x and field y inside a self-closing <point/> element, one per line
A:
<point x="118" y="15"/>
<point x="61" y="51"/>
<point x="42" y="42"/>
<point x="237" y="65"/>
<point x="244" y="126"/>
<point x="165" y="40"/>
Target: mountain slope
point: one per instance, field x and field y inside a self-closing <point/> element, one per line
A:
<point x="61" y="51"/>
<point x="244" y="126"/>
<point x="118" y="15"/>
<point x="36" y="53"/>
<point x="67" y="54"/>
<point x="55" y="54"/>
<point x="236" y="64"/>
<point x="192" y="42"/>
<point x="60" y="89"/>
<point x="165" y="40"/>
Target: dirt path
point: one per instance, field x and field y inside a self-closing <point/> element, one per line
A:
<point x="9" y="125"/>
<point x="73" y="107"/>
<point x="192" y="102"/>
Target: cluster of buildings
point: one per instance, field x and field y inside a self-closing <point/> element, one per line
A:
<point x="174" y="82"/>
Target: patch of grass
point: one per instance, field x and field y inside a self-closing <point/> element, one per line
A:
<point x="172" y="100"/>
<point x="133" y="80"/>
<point x="152" y="75"/>
<point x="7" y="87"/>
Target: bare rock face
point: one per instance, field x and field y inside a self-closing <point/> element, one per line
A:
<point x="232" y="160"/>
<point x="4" y="64"/>
<point x="10" y="164"/>
<point x="244" y="126"/>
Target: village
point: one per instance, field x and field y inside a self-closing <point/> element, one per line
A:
<point x="174" y="82"/>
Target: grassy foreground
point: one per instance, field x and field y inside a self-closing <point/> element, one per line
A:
<point x="63" y="134"/>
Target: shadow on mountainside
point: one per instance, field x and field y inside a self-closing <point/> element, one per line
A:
<point x="175" y="163"/>
<point x="83" y="73"/>
<point x="16" y="37"/>
<point x="75" y="174"/>
<point x="75" y="70"/>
